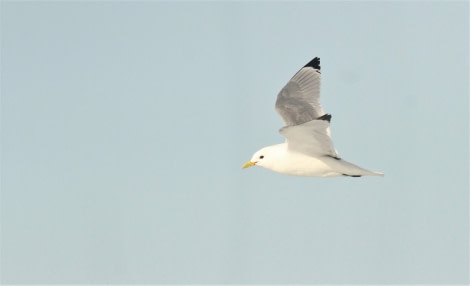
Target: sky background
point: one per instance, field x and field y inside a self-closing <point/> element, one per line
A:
<point x="124" y="127"/>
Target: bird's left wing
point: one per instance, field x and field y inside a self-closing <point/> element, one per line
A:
<point x="311" y="138"/>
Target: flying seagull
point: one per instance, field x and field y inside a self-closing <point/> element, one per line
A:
<point x="308" y="150"/>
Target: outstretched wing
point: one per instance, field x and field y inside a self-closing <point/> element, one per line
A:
<point x="312" y="138"/>
<point x="299" y="101"/>
<point x="307" y="126"/>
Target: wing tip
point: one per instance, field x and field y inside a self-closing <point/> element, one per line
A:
<point x="315" y="63"/>
<point x="326" y="117"/>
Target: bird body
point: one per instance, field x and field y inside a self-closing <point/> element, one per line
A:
<point x="308" y="150"/>
<point x="279" y="160"/>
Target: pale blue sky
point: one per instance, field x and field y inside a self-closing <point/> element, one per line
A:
<point x="125" y="125"/>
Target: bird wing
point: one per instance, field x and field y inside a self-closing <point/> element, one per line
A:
<point x="307" y="126"/>
<point x="299" y="101"/>
<point x="312" y="138"/>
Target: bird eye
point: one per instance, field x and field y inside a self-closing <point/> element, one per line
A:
<point x="261" y="157"/>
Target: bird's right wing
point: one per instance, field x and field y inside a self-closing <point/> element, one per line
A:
<point x="299" y="101"/>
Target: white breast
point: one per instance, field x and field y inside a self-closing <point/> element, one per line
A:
<point x="293" y="163"/>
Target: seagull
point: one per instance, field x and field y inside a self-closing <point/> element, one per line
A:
<point x="308" y="150"/>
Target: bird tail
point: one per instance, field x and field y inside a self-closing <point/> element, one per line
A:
<point x="349" y="169"/>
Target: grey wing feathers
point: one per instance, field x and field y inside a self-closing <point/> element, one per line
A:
<point x="307" y="126"/>
<point x="299" y="101"/>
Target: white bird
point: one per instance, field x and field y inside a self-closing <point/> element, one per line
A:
<point x="308" y="150"/>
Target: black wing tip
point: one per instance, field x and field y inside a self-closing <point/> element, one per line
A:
<point x="334" y="157"/>
<point x="326" y="117"/>
<point x="315" y="63"/>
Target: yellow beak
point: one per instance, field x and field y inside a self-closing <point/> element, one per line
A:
<point x="248" y="164"/>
